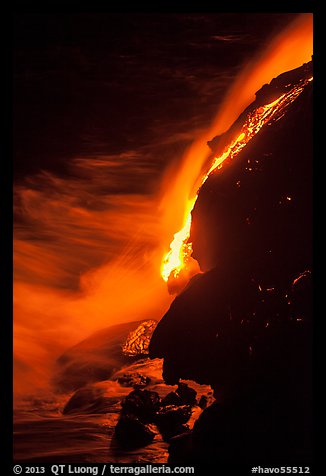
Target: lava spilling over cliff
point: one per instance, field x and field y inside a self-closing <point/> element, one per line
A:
<point x="271" y="104"/>
<point x="245" y="324"/>
<point x="267" y="192"/>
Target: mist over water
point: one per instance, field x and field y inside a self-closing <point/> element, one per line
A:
<point x="85" y="258"/>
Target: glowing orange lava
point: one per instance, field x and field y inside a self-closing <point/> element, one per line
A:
<point x="180" y="249"/>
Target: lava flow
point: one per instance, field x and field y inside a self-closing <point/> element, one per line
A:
<point x="180" y="252"/>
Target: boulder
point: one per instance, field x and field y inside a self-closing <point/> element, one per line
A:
<point x="94" y="359"/>
<point x="131" y="433"/>
<point x="171" y="398"/>
<point x="135" y="380"/>
<point x="141" y="403"/>
<point x="170" y="420"/>
<point x="187" y="394"/>
<point x="203" y="401"/>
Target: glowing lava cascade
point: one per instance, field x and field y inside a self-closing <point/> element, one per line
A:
<point x="179" y="256"/>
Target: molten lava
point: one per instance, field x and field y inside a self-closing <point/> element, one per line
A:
<point x="180" y="249"/>
<point x="137" y="342"/>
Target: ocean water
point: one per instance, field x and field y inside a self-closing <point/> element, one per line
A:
<point x="42" y="433"/>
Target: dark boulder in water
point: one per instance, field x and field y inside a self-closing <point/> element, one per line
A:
<point x="141" y="403"/>
<point x="135" y="380"/>
<point x="170" y="420"/>
<point x="132" y="433"/>
<point x="203" y="401"/>
<point x="171" y="398"/>
<point x="169" y="415"/>
<point x="100" y="355"/>
<point x="187" y="394"/>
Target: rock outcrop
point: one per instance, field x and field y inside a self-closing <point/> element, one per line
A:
<point x="244" y="326"/>
<point x="97" y="358"/>
<point x="132" y="433"/>
<point x="144" y="412"/>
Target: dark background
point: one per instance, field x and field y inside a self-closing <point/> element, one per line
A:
<point x="99" y="83"/>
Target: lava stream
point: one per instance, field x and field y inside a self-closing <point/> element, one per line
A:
<point x="180" y="252"/>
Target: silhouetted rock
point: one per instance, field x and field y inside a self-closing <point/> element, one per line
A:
<point x="181" y="449"/>
<point x="141" y="403"/>
<point x="187" y="394"/>
<point x="243" y="426"/>
<point x="203" y="401"/>
<point x="171" y="398"/>
<point x="244" y="326"/>
<point x="135" y="380"/>
<point x="131" y="433"/>
<point x="170" y="420"/>
<point x="95" y="358"/>
<point x="265" y="95"/>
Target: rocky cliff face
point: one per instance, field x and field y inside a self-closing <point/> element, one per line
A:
<point x="244" y="325"/>
<point x="259" y="206"/>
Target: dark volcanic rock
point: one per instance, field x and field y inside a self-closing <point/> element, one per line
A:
<point x="266" y="94"/>
<point x="252" y="230"/>
<point x="187" y="394"/>
<point x="256" y="212"/>
<point x="181" y="449"/>
<point x="141" y="403"/>
<point x="131" y="433"/>
<point x="171" y="398"/>
<point x="203" y="401"/>
<point x="244" y="326"/>
<point x="170" y="420"/>
<point x="94" y="359"/>
<point x="243" y="427"/>
<point x="135" y="380"/>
